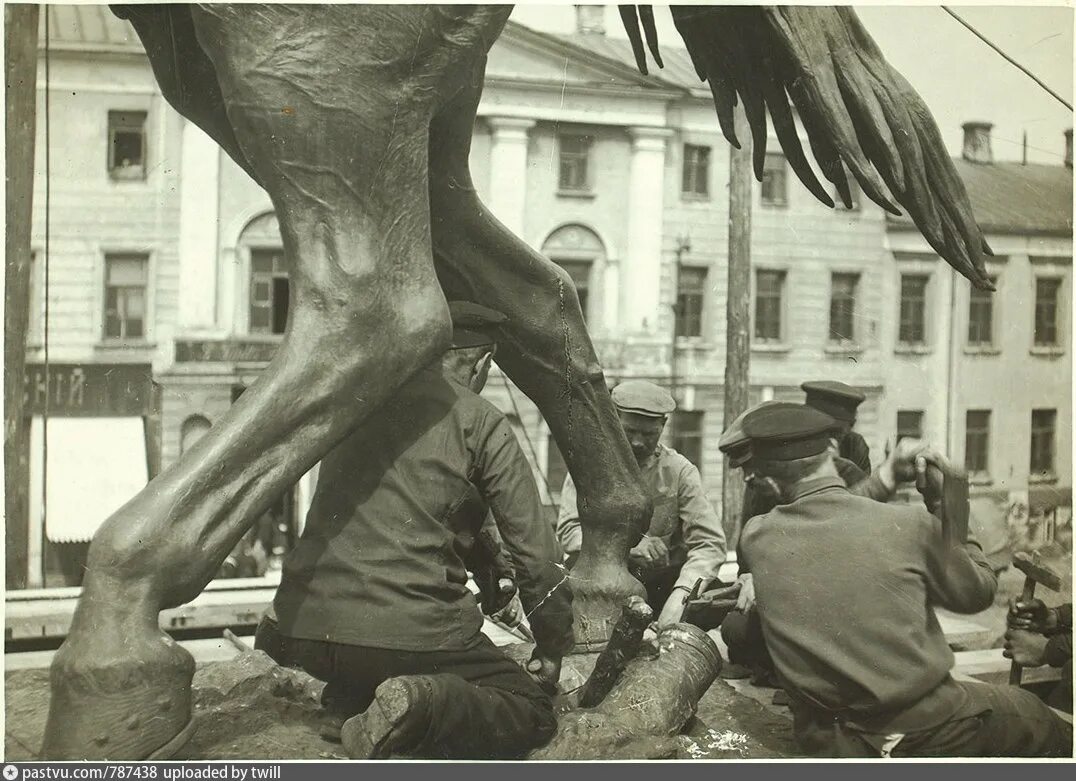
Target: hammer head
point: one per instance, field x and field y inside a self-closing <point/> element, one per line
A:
<point x="1033" y="567"/>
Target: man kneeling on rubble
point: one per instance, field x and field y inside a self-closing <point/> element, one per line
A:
<point x="374" y="599"/>
<point x="846" y="589"/>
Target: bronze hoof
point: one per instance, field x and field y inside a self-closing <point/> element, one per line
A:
<point x="127" y="703"/>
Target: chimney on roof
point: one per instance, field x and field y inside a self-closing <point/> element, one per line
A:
<point x="590" y="19"/>
<point x="1068" y="148"/>
<point x="977" y="142"/>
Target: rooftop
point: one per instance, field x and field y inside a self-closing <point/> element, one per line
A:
<point x="1014" y="198"/>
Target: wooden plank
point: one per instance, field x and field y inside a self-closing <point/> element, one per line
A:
<point x="990" y="666"/>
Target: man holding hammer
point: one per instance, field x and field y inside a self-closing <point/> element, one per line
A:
<point x="846" y="589"/>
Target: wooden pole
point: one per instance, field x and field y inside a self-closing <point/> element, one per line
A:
<point x="20" y="75"/>
<point x="738" y="315"/>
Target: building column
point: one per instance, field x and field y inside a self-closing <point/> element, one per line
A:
<point x="610" y="321"/>
<point x="641" y="291"/>
<point x="198" y="224"/>
<point x="508" y="170"/>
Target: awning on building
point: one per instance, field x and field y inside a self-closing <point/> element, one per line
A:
<point x="95" y="465"/>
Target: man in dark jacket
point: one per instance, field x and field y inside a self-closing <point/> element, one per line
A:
<point x="374" y="600"/>
<point x="841" y="402"/>
<point x="853" y="634"/>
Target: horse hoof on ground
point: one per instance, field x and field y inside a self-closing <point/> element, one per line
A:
<point x="127" y="700"/>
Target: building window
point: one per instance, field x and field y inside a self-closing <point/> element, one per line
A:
<point x="913" y="309"/>
<point x="687" y="436"/>
<point x="269" y="288"/>
<point x="1043" y="424"/>
<point x="769" y="290"/>
<point x="977" y="442"/>
<point x="909" y="424"/>
<point x="1047" y="293"/>
<point x="842" y="307"/>
<point x="127" y="144"/>
<point x="576" y="249"/>
<point x="574" y="154"/>
<point x="981" y="317"/>
<point x="696" y="179"/>
<point x="579" y="271"/>
<point x="125" y="296"/>
<point x="774" y="180"/>
<point x="690" y="299"/>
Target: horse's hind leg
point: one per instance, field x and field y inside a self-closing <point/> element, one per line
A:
<point x="547" y="352"/>
<point x="340" y="142"/>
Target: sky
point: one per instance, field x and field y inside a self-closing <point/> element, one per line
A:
<point x="960" y="77"/>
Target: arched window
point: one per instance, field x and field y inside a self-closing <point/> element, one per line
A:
<point x="576" y="249"/>
<point x="193" y="429"/>
<point x="269" y="285"/>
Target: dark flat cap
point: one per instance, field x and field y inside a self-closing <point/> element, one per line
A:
<point x="836" y="399"/>
<point x="640" y="397"/>
<point x="473" y="325"/>
<point x="734" y="442"/>
<point x="785" y="432"/>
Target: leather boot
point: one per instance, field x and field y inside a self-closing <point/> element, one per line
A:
<point x="395" y="722"/>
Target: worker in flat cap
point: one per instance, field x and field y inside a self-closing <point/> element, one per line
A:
<point x="852" y="630"/>
<point x="685" y="541"/>
<point x="841" y="402"/>
<point x="373" y="599"/>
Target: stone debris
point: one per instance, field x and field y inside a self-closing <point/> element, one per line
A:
<point x="724" y="742"/>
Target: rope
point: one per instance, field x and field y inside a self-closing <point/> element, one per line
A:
<point x="527" y="439"/>
<point x="1007" y="58"/>
<point x="45" y="328"/>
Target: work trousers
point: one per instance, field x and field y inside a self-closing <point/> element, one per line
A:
<point x="742" y="633"/>
<point x="995" y="721"/>
<point x="483" y="705"/>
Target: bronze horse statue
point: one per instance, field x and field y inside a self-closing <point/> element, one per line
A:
<point x="357" y="120"/>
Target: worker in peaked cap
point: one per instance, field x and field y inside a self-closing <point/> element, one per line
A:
<point x="684" y="541"/>
<point x="734" y="441"/>
<point x="388" y="625"/>
<point x="840" y="402"/>
<point x="788" y="432"/>
<point x="839" y="579"/>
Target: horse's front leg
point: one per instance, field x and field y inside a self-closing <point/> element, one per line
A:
<point x="329" y="107"/>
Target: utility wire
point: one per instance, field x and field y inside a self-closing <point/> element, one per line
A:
<point x="45" y="327"/>
<point x="1009" y="59"/>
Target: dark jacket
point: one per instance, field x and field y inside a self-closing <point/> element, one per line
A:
<point x="854" y="448"/>
<point x="379" y="563"/>
<point x="853" y="633"/>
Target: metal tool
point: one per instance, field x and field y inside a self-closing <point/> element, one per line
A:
<point x="1035" y="572"/>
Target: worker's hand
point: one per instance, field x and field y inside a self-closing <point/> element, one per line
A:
<point x="746" y="598"/>
<point x="1032" y="616"/>
<point x="510" y="614"/>
<point x="545" y="670"/>
<point x="650" y="553"/>
<point x="908" y="461"/>
<point x="1027" y="649"/>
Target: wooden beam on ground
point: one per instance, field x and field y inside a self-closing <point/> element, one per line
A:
<point x="738" y="314"/>
<point x="20" y="76"/>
